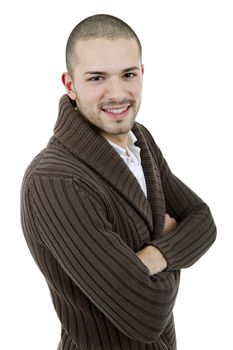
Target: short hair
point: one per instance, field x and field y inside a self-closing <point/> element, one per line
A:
<point x="98" y="26"/>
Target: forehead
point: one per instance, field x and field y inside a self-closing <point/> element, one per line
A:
<point x="104" y="54"/>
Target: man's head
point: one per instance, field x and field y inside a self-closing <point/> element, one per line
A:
<point x="103" y="57"/>
<point x="97" y="27"/>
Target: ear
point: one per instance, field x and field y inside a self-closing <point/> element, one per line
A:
<point x="68" y="83"/>
<point x="142" y="68"/>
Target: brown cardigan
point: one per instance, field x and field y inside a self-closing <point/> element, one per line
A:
<point x="84" y="216"/>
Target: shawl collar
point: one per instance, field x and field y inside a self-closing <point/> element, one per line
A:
<point x="81" y="138"/>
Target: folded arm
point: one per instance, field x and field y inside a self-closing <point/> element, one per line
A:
<point x="151" y="256"/>
<point x="195" y="231"/>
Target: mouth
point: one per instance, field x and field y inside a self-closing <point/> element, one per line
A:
<point x="116" y="112"/>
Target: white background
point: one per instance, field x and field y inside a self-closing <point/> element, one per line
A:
<point x="187" y="105"/>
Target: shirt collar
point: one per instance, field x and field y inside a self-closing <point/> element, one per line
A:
<point x="132" y="153"/>
<point x="131" y="141"/>
<point x="132" y="138"/>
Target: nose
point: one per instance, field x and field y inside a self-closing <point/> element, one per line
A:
<point x="115" y="90"/>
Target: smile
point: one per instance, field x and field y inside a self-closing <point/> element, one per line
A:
<point x="116" y="110"/>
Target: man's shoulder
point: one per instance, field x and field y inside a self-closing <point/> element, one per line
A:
<point x="56" y="161"/>
<point x="57" y="166"/>
<point x="145" y="132"/>
<point x="151" y="144"/>
<point x="148" y="137"/>
<point x="53" y="161"/>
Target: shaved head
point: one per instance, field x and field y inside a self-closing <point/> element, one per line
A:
<point x="97" y="26"/>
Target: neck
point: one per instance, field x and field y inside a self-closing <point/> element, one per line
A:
<point x="119" y="140"/>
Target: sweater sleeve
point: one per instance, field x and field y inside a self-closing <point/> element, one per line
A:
<point x="74" y="227"/>
<point x="196" y="230"/>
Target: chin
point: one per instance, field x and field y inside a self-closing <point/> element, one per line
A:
<point x="120" y="132"/>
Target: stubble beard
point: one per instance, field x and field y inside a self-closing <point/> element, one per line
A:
<point x="95" y="121"/>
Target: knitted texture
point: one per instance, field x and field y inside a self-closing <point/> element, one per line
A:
<point x="84" y="216"/>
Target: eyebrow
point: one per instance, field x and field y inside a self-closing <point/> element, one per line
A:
<point x="103" y="73"/>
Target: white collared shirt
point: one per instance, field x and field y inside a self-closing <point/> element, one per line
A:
<point x="132" y="158"/>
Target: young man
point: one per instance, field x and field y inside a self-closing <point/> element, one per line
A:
<point x="107" y="222"/>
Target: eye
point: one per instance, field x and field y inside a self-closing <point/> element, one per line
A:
<point x="129" y="75"/>
<point x="96" y="78"/>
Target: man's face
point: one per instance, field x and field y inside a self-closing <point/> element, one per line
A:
<point x="107" y="83"/>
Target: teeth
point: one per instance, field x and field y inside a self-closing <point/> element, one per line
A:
<point x="116" y="110"/>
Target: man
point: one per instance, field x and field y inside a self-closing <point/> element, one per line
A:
<point x="107" y="222"/>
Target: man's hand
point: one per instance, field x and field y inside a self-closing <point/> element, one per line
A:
<point x="169" y="225"/>
<point x="151" y="256"/>
<point x="153" y="259"/>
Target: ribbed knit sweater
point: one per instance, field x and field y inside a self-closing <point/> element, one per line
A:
<point x="84" y="215"/>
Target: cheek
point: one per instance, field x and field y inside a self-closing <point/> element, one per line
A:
<point x="90" y="95"/>
<point x="136" y="90"/>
